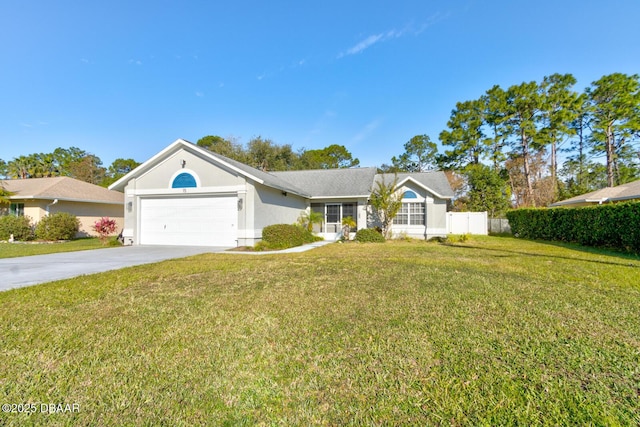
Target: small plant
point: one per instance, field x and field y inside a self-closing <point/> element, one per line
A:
<point x="460" y="238"/>
<point x="369" y="235"/>
<point x="18" y="226"/>
<point x="105" y="227"/>
<point x="58" y="226"/>
<point x="348" y="224"/>
<point x="308" y="218"/>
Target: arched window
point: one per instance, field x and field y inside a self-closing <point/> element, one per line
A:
<point x="409" y="195"/>
<point x="184" y="180"/>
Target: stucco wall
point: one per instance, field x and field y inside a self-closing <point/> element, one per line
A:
<point x="89" y="213"/>
<point x="273" y="207"/>
<point x="208" y="174"/>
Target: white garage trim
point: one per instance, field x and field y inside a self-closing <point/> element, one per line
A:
<point x="189" y="220"/>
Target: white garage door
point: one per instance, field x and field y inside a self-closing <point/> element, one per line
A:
<point x="189" y="221"/>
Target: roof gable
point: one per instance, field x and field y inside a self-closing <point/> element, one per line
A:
<point x="435" y="182"/>
<point x="249" y="172"/>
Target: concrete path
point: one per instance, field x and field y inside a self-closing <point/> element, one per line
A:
<point x="32" y="270"/>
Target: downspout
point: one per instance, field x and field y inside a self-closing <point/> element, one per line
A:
<point x="51" y="204"/>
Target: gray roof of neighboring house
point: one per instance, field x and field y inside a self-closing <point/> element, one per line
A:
<point x="628" y="191"/>
<point x="435" y="181"/>
<point x="61" y="188"/>
<point x="332" y="182"/>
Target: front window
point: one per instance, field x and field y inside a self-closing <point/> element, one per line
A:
<point x="410" y="214"/>
<point x="16" y="209"/>
<point x="416" y="216"/>
<point x="349" y="209"/>
<point x="402" y="218"/>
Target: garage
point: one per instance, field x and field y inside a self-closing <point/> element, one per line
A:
<point x="189" y="221"/>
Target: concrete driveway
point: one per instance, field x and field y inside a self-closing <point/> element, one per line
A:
<point x="32" y="270"/>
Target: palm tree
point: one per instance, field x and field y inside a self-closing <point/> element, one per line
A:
<point x="4" y="195"/>
<point x="348" y="223"/>
<point x="18" y="168"/>
<point x="308" y="218"/>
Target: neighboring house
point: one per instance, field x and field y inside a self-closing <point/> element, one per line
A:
<point x="187" y="195"/>
<point x="621" y="193"/>
<point x="39" y="197"/>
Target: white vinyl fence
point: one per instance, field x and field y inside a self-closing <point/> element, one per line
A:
<point x="467" y="222"/>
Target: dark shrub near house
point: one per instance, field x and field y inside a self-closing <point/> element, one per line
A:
<point x="369" y="235"/>
<point x="282" y="236"/>
<point x="58" y="226"/>
<point x="19" y="226"/>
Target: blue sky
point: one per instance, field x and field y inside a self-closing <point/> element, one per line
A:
<point x="126" y="78"/>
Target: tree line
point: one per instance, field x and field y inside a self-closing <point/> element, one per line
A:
<point x="266" y="155"/>
<point x="537" y="142"/>
<point x="259" y="152"/>
<point x="72" y="162"/>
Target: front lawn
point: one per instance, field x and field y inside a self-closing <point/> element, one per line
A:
<point x="19" y="249"/>
<point x="492" y="331"/>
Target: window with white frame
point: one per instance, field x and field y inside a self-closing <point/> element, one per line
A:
<point x="416" y="213"/>
<point x="412" y="211"/>
<point x="332" y="214"/>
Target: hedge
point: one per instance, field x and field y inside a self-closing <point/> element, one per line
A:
<point x="610" y="226"/>
<point x="58" y="226"/>
<point x="369" y="235"/>
<point x="19" y="226"/>
<point x="282" y="236"/>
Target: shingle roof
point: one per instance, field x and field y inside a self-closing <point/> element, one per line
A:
<point x="270" y="179"/>
<point x="434" y="181"/>
<point x="332" y="182"/>
<point x="628" y="191"/>
<point x="61" y="188"/>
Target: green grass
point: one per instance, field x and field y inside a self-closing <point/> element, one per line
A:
<point x="18" y="249"/>
<point x="491" y="331"/>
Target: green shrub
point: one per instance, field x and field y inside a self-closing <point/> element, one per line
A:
<point x="610" y="226"/>
<point x="282" y="236"/>
<point x="19" y="226"/>
<point x="58" y="226"/>
<point x="369" y="235"/>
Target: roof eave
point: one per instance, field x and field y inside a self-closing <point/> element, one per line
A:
<point x="357" y="196"/>
<point x="66" y="199"/>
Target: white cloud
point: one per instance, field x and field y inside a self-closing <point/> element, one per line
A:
<point x="199" y="94"/>
<point x="391" y="34"/>
<point x="364" y="44"/>
<point x="135" y="61"/>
